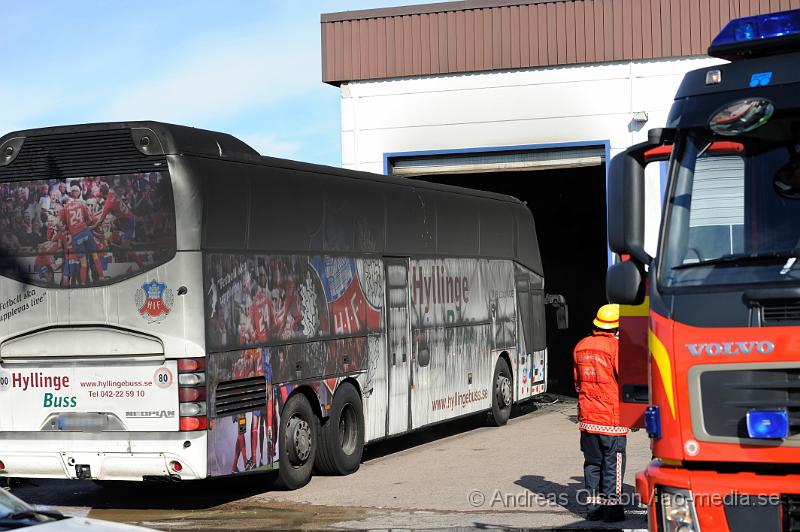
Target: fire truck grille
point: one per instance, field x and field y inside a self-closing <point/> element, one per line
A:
<point x="746" y="513"/>
<point x="781" y="313"/>
<point x="791" y="513"/>
<point x="728" y="395"/>
<point x="241" y="395"/>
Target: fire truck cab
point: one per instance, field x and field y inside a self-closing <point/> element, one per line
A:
<point x="719" y="304"/>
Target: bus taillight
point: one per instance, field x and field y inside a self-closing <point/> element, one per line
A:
<point x="193" y="409"/>
<point x="192" y="394"/>
<point x="2" y="466"/>
<point x="190" y="365"/>
<point x="191" y="379"/>
<point x="189" y="424"/>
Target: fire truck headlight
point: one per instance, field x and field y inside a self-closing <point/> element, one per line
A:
<point x="677" y="510"/>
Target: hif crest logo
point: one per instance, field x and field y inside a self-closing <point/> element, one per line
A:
<point x="154" y="301"/>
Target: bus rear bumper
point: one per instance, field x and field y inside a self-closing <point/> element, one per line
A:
<point x="721" y="501"/>
<point x="142" y="458"/>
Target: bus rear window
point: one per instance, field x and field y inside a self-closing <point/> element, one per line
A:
<point x="88" y="231"/>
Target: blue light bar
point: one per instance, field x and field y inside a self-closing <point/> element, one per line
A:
<point x="741" y="34"/>
<point x="770" y="424"/>
<point x="652" y="422"/>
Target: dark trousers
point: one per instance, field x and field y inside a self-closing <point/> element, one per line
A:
<point x="603" y="468"/>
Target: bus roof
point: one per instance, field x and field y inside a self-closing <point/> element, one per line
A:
<point x="182" y="140"/>
<point x="125" y="147"/>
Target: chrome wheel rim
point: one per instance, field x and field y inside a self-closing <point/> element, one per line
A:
<point x="348" y="430"/>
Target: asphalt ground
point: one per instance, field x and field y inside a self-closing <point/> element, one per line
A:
<point x="527" y="474"/>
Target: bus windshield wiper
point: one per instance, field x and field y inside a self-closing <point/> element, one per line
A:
<point x="742" y="258"/>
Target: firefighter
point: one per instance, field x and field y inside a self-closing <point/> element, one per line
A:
<point x="602" y="438"/>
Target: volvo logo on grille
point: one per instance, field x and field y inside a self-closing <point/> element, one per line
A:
<point x="763" y="347"/>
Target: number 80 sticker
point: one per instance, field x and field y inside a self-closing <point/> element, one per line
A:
<point x="163" y="378"/>
<point x="5" y="381"/>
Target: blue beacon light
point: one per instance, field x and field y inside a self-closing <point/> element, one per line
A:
<point x="768" y="424"/>
<point x="740" y="34"/>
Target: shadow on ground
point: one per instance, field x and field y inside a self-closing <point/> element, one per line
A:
<point x="571" y="496"/>
<point x="441" y="431"/>
<point x="136" y="495"/>
<point x="210" y="493"/>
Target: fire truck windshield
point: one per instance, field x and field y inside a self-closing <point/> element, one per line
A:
<point x="733" y="217"/>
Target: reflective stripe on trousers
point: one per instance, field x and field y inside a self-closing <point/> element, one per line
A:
<point x="603" y="468"/>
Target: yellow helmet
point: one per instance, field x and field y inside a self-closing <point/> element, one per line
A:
<point x="607" y="317"/>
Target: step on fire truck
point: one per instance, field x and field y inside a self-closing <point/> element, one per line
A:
<point x="720" y="302"/>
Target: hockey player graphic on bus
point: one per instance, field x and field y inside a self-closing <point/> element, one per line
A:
<point x="86" y="231"/>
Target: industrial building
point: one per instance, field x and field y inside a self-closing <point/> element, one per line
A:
<point x="525" y="98"/>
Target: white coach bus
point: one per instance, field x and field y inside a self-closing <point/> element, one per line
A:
<point x="175" y="306"/>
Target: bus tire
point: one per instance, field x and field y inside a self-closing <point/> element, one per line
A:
<point x="299" y="437"/>
<point x="341" y="441"/>
<point x="502" y="394"/>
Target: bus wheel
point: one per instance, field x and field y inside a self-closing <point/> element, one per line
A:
<point x="299" y="432"/>
<point x="341" y="441"/>
<point x="502" y="395"/>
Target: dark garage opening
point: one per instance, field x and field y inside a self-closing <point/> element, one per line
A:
<point x="569" y="208"/>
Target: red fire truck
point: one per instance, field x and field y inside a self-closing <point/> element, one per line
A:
<point x="717" y="352"/>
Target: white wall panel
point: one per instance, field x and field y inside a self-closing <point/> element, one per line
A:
<point x="534" y="106"/>
<point x="348" y="119"/>
<point x="373" y="143"/>
<point x="654" y="92"/>
<point x="494" y="104"/>
<point x="375" y="167"/>
<point x="349" y="150"/>
<point x="481" y="80"/>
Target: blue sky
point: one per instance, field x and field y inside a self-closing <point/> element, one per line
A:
<point x="250" y="68"/>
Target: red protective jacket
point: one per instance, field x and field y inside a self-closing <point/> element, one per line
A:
<point x="596" y="364"/>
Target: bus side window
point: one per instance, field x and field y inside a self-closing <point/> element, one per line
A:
<point x="530" y="298"/>
<point x="538" y="309"/>
<point x="339" y="215"/>
<point x="527" y="244"/>
<point x="456" y="225"/>
<point x="370" y="222"/>
<point x="226" y="209"/>
<point x="411" y="221"/>
<point x="287" y="211"/>
<point x="496" y="230"/>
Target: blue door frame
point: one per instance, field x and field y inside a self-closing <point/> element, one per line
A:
<point x="388" y="156"/>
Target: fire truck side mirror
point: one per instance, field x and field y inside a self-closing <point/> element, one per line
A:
<point x="625" y="283"/>
<point x="626" y="194"/>
<point x="626" y="204"/>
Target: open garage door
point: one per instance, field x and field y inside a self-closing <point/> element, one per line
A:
<point x="503" y="161"/>
<point x="566" y="191"/>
